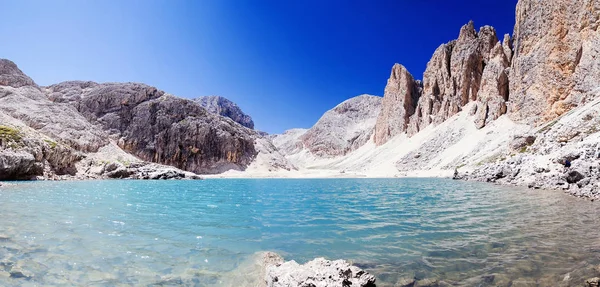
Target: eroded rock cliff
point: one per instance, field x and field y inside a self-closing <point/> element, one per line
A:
<point x="399" y="101"/>
<point x="468" y="69"/>
<point x="555" y="64"/>
<point x="161" y="128"/>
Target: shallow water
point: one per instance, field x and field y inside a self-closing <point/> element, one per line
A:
<point x="139" y="233"/>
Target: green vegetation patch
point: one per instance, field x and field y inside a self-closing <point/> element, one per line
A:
<point x="52" y="144"/>
<point x="10" y="134"/>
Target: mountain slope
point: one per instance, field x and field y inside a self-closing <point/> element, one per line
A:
<point x="344" y="128"/>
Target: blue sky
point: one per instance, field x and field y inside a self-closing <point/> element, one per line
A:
<point x="284" y="62"/>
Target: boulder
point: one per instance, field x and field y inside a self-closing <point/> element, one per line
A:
<point x="405" y="282"/>
<point x="19" y="165"/>
<point x="428" y="282"/>
<point x="574" y="176"/>
<point x="593" y="282"/>
<point x="518" y="142"/>
<point x="318" y="273"/>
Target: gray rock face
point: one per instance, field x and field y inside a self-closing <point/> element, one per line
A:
<point x="318" y="273"/>
<point x="12" y="76"/>
<point x="18" y="165"/>
<point x="555" y="63"/>
<point x="399" y="102"/>
<point x="344" y="128"/>
<point x="27" y="154"/>
<point x="62" y="122"/>
<point x="161" y="128"/>
<point x="222" y="106"/>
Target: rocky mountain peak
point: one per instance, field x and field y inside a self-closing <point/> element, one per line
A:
<point x="12" y="76"/>
<point x="224" y="107"/>
<point x="467" y="32"/>
<point x="400" y="98"/>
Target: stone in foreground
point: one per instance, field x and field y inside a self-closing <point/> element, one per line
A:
<point x="318" y="273"/>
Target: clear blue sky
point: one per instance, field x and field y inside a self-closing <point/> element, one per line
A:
<point x="283" y="62"/>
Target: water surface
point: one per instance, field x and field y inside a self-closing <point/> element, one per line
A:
<point x="204" y="233"/>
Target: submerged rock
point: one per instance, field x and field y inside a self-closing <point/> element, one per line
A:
<point x="318" y="273"/>
<point x="405" y="282"/>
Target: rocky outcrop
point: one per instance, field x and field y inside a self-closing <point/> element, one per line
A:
<point x="318" y="273"/>
<point x="18" y="165"/>
<point x="27" y="154"/>
<point x="161" y="128"/>
<point x="453" y="76"/>
<point x="538" y="159"/>
<point x="12" y="76"/>
<point x="224" y="107"/>
<point x="61" y="122"/>
<point x="492" y="97"/>
<point x="555" y="64"/>
<point x="399" y="101"/>
<point x="344" y="128"/>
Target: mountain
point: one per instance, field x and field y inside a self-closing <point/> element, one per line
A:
<point x="224" y="107"/>
<point x="511" y="111"/>
<point x="50" y="131"/>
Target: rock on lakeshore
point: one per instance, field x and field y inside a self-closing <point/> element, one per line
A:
<point x="317" y="273"/>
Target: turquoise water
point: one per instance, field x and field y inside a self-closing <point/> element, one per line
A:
<point x="204" y="233"/>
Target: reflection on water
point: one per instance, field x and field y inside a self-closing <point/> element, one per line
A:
<point x="202" y="233"/>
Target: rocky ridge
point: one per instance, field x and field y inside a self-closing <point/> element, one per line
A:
<point x="47" y="132"/>
<point x="469" y="69"/>
<point x="159" y="127"/>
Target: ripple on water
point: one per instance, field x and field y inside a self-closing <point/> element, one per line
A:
<point x="206" y="232"/>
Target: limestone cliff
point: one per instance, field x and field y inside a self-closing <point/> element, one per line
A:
<point x="161" y="128"/>
<point x="452" y="79"/>
<point x="556" y="58"/>
<point x="399" y="101"/>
